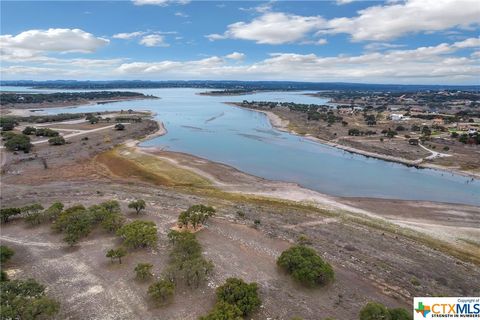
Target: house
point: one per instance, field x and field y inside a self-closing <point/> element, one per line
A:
<point x="413" y="142"/>
<point x="438" y="121"/>
<point x="396" y="116"/>
<point x="472" y="131"/>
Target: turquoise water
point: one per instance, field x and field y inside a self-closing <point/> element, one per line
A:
<point x="206" y="127"/>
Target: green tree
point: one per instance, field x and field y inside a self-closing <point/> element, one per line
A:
<point x="25" y="300"/>
<point x="6" y="213"/>
<point x="33" y="213"/>
<point x="374" y="311"/>
<point x="306" y="266"/>
<point x="139" y="234"/>
<point x="117" y="253"/>
<point x="143" y="271"/>
<point x="138" y="205"/>
<point x="240" y="294"/>
<point x="57" y="141"/>
<point x="162" y="291"/>
<point x="400" y="314"/>
<point x="224" y="311"/>
<point x="19" y="142"/>
<point x="29" y="130"/>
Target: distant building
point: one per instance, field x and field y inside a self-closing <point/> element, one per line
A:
<point x="396" y="116"/>
<point x="438" y="121"/>
<point x="413" y="142"/>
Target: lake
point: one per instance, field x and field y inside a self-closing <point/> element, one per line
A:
<point x="206" y="127"/>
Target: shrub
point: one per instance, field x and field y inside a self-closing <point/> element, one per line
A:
<point x="195" y="215"/>
<point x="25" y="300"/>
<point x="5" y="254"/>
<point x="162" y="291"/>
<point x="6" y="213"/>
<point x="139" y="234"/>
<point x="399" y="314"/>
<point x="306" y="266"/>
<point x="374" y="311"/>
<point x="29" y="130"/>
<point x="18" y="142"/>
<point x="46" y="132"/>
<point x="240" y="294"/>
<point x="118" y="253"/>
<point x="57" y="141"/>
<point x="143" y="271"/>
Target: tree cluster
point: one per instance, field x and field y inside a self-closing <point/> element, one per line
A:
<point x="23" y="299"/>
<point x="187" y="265"/>
<point x="17" y="142"/>
<point x="139" y="234"/>
<point x="195" y="215"/>
<point x="306" y="266"/>
<point x="375" y="310"/>
<point x="77" y="222"/>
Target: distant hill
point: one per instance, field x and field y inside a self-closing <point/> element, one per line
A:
<point x="244" y="85"/>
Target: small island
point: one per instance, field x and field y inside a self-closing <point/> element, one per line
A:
<point x="61" y="99"/>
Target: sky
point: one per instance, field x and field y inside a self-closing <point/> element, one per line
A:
<point x="404" y="42"/>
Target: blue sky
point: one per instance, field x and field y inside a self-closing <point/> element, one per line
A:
<point x="414" y="41"/>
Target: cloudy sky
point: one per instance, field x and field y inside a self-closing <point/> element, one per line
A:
<point x="412" y="41"/>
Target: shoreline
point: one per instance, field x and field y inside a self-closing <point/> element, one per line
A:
<point x="282" y="125"/>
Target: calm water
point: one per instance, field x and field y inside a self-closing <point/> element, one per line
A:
<point x="205" y="127"/>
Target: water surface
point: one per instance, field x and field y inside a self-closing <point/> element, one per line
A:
<point x="206" y="127"/>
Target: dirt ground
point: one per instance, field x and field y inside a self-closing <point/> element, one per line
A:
<point x="371" y="262"/>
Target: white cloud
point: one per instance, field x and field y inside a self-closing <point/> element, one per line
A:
<point x="153" y="40"/>
<point x="162" y="3"/>
<point x="340" y="2"/>
<point x="386" y="22"/>
<point x="272" y="28"/>
<point x="128" y="35"/>
<point x="235" y="56"/>
<point x="429" y="64"/>
<point x="181" y="14"/>
<point x="53" y="40"/>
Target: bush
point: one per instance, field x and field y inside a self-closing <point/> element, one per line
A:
<point x="57" y="141"/>
<point x="118" y="253"/>
<point x="29" y="130"/>
<point x="143" y="270"/>
<point x="25" y="300"/>
<point x="46" y="132"/>
<point x="162" y="291"/>
<point x="399" y="314"/>
<point x="306" y="266"/>
<point x="5" y="254"/>
<point x="374" y="311"/>
<point x="6" y="213"/>
<point x="18" y="142"/>
<point x="240" y="294"/>
<point x="139" y="234"/>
